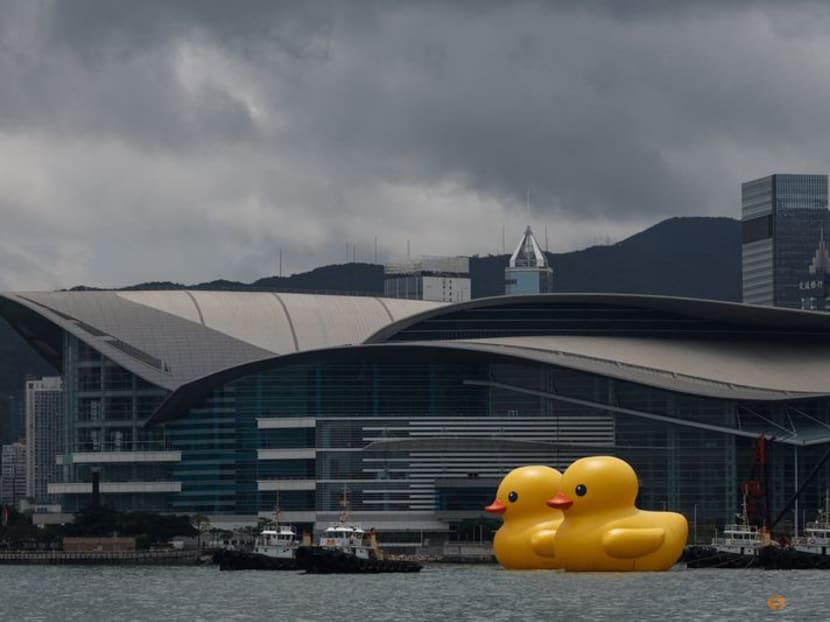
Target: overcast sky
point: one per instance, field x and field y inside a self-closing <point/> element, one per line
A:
<point x="189" y="141"/>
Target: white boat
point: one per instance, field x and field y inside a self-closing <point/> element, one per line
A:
<point x="280" y="542"/>
<point x="345" y="547"/>
<point x="346" y="536"/>
<point x="816" y="538"/>
<point x="275" y="548"/>
<point x="741" y="538"/>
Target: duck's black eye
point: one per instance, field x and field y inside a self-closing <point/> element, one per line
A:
<point x="513" y="496"/>
<point x="581" y="490"/>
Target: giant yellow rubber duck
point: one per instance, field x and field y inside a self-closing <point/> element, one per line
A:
<point x="603" y="530"/>
<point x="525" y="539"/>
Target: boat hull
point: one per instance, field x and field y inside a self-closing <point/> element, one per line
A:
<point x="768" y="557"/>
<point x="240" y="560"/>
<point x="782" y="558"/>
<point x="319" y="560"/>
<point x="710" y="557"/>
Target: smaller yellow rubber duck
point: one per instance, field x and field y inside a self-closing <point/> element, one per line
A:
<point x="603" y="530"/>
<point x="525" y="539"/>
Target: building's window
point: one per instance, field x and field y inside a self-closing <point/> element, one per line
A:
<point x="119" y="408"/>
<point x="89" y="409"/>
<point x="117" y="379"/>
<point x="86" y="353"/>
<point x="89" y="379"/>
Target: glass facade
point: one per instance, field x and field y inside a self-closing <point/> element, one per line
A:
<point x="797" y="235"/>
<point x="400" y="429"/>
<point x="105" y="409"/>
<point x="527" y="280"/>
<point x="404" y="426"/>
<point x="783" y="217"/>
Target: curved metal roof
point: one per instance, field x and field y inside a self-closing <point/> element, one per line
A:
<point x="605" y="314"/>
<point x="172" y="337"/>
<point x="732" y="371"/>
<point x="191" y="341"/>
<point x="279" y="322"/>
<point x="627" y="365"/>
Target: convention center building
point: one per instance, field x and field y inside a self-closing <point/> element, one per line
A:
<point x="228" y="404"/>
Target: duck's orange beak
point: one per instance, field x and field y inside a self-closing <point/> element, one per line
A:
<point x="559" y="501"/>
<point x="497" y="507"/>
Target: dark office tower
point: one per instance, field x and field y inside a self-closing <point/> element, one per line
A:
<point x="782" y="218"/>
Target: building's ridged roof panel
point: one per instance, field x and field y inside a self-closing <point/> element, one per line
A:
<point x="170" y="338"/>
<point x="344" y="319"/>
<point x="604" y="314"/>
<point x="283" y="322"/>
<point x="731" y="370"/>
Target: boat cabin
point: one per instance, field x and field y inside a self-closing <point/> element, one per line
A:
<point x="346" y="538"/>
<point x="279" y="542"/>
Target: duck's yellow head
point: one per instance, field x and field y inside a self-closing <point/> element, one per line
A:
<point x="523" y="492"/>
<point x="596" y="484"/>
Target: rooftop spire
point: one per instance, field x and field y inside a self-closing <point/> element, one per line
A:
<point x="528" y="254"/>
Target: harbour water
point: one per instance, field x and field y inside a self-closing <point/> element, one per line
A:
<point x="444" y="593"/>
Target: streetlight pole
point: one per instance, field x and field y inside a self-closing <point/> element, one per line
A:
<point x="795" y="489"/>
<point x="694" y="522"/>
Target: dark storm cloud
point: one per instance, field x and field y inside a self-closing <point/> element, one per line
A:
<point x="310" y="125"/>
<point x="94" y="27"/>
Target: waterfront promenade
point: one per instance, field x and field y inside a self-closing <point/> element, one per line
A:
<point x="110" y="558"/>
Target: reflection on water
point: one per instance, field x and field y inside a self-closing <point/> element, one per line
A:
<point x="445" y="593"/>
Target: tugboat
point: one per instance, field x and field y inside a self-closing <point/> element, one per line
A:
<point x="280" y="543"/>
<point x="808" y="552"/>
<point x="274" y="549"/>
<point x="737" y="547"/>
<point x="346" y="548"/>
<point x="816" y="539"/>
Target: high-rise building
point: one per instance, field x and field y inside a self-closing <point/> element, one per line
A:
<point x="440" y="279"/>
<point x="12" y="418"/>
<point x="44" y="401"/>
<point x="528" y="271"/>
<point x="12" y="474"/>
<point x="782" y="219"/>
<point x="815" y="284"/>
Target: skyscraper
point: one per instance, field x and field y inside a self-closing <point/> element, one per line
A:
<point x="815" y="284"/>
<point x="12" y="474"/>
<point x="528" y="271"/>
<point x="782" y="219"/>
<point x="44" y="400"/>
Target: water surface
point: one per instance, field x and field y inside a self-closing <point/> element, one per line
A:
<point x="439" y="592"/>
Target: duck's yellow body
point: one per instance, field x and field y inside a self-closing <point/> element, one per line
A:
<point x="525" y="539"/>
<point x="603" y="530"/>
